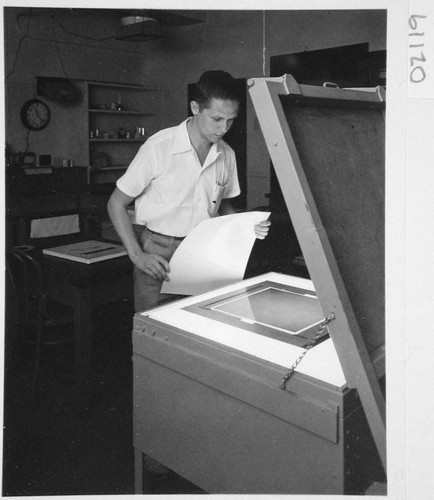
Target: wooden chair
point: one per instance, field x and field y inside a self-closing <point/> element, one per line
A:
<point x="29" y="316"/>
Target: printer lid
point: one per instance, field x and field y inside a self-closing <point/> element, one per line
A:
<point x="327" y="146"/>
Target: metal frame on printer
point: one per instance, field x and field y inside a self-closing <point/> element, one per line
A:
<point x="217" y="415"/>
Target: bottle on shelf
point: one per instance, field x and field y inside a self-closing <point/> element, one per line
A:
<point x="140" y="133"/>
<point x="119" y="104"/>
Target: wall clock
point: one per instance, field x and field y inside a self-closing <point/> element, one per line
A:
<point x="35" y="114"/>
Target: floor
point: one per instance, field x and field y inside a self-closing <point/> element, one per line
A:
<point x="49" y="448"/>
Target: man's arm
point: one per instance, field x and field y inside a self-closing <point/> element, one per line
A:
<point x="154" y="265"/>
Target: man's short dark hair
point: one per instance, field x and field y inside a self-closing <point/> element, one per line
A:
<point x="215" y="84"/>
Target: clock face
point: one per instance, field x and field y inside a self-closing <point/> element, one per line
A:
<point x="35" y="114"/>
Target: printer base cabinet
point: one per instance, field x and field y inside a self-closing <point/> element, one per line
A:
<point x="218" y="418"/>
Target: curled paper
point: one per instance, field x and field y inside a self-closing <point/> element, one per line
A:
<point x="214" y="254"/>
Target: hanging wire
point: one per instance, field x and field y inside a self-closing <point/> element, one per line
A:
<point x="76" y="35"/>
<point x="27" y="141"/>
<point x="263" y="43"/>
<point x="25" y="34"/>
<point x="59" y="57"/>
<point x="84" y="37"/>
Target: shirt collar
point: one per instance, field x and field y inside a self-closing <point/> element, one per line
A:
<point x="182" y="142"/>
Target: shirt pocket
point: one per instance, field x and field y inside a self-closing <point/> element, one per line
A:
<point x="216" y="199"/>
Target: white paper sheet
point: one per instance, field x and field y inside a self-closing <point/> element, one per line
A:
<point x="214" y="254"/>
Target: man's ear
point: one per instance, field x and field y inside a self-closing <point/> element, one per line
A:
<point x="194" y="106"/>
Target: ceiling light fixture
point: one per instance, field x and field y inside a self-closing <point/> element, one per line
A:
<point x="138" y="29"/>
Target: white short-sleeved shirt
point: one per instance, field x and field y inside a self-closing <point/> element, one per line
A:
<point x="172" y="191"/>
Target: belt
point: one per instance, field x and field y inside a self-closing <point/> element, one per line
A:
<point x="178" y="238"/>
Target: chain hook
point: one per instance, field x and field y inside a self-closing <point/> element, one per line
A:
<point x="311" y="343"/>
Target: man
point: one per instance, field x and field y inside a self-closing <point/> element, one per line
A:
<point x="179" y="177"/>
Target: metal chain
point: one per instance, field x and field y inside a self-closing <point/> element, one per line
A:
<point x="311" y="343"/>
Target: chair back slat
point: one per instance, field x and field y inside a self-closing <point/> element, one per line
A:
<point x="25" y="278"/>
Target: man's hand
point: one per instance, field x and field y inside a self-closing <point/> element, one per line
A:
<point x="261" y="229"/>
<point x="154" y="265"/>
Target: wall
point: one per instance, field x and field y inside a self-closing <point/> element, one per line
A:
<point x="230" y="40"/>
<point x="233" y="41"/>
<point x="38" y="43"/>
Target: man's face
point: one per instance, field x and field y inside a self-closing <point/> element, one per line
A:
<point x="214" y="121"/>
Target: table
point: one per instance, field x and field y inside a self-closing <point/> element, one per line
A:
<point x="84" y="286"/>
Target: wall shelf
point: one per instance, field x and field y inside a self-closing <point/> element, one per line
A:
<point x="109" y="149"/>
<point x="114" y="139"/>
<point x="124" y="86"/>
<point x="115" y="167"/>
<point x="121" y="112"/>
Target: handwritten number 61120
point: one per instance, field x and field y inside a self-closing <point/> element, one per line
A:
<point x="417" y="42"/>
